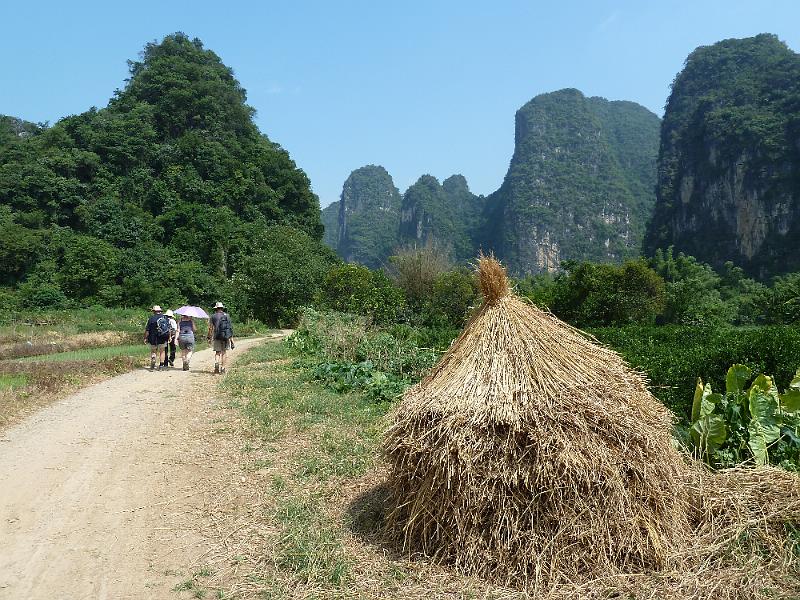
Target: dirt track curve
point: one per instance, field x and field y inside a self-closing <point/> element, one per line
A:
<point x="89" y="487"/>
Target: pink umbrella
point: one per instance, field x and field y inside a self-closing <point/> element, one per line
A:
<point x="192" y="311"/>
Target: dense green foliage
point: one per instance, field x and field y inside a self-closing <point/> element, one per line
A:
<point x="728" y="167"/>
<point x="369" y="217"/>
<point x="673" y="357"/>
<point x="346" y="353"/>
<point x="280" y="273"/>
<point x="758" y="424"/>
<point x="580" y="183"/>
<point x="445" y="214"/>
<point x="151" y="199"/>
<point x="357" y="290"/>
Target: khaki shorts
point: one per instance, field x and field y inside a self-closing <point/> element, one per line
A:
<point x="221" y="345"/>
<point x="156" y="348"/>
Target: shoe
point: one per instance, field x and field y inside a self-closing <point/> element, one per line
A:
<point x="152" y="363"/>
<point x="185" y="366"/>
<point x="216" y="368"/>
<point x="171" y="363"/>
<point x="222" y="370"/>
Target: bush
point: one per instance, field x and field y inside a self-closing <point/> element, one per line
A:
<point x="451" y="298"/>
<point x="757" y="425"/>
<point x="673" y="357"/>
<point x="358" y="290"/>
<point x="284" y="273"/>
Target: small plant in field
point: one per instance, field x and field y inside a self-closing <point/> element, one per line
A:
<point x="747" y="424"/>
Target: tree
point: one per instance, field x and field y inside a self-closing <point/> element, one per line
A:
<point x="356" y="289"/>
<point x="284" y="273"/>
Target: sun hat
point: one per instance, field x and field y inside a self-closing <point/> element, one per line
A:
<point x="169" y="313"/>
<point x="156" y="308"/>
<point x="219" y="305"/>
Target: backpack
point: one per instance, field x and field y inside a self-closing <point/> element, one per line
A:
<point x="224" y="329"/>
<point x="162" y="326"/>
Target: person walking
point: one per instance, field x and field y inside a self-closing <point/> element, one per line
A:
<point x="169" y="349"/>
<point x="156" y="333"/>
<point x="220" y="330"/>
<point x="186" y="331"/>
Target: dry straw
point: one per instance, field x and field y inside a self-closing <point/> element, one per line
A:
<point x="535" y="457"/>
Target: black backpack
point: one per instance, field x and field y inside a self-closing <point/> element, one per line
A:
<point x="224" y="329"/>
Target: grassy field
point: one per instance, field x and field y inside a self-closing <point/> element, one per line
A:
<point x="315" y="454"/>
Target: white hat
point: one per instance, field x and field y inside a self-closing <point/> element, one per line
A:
<point x="219" y="305"/>
<point x="156" y="308"/>
<point x="169" y="313"/>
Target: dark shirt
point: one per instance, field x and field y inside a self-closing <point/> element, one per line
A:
<point x="185" y="328"/>
<point x="215" y="318"/>
<point x="153" y="338"/>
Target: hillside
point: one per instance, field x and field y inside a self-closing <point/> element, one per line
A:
<point x="330" y="221"/>
<point x="445" y="214"/>
<point x="729" y="165"/>
<point x="579" y="186"/>
<point x="166" y="187"/>
<point x="369" y="216"/>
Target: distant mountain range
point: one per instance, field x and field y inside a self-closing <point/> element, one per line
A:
<point x="573" y="156"/>
<point x="592" y="179"/>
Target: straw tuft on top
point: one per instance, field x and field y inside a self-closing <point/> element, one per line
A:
<point x="492" y="279"/>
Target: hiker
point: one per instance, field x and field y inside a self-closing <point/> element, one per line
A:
<point x="220" y="330"/>
<point x="156" y="333"/>
<point x="169" y="349"/>
<point x="186" y="331"/>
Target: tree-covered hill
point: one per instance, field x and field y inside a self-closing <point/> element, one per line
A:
<point x="369" y="216"/>
<point x="729" y="164"/>
<point x="166" y="187"/>
<point x="580" y="183"/>
<point x="445" y="214"/>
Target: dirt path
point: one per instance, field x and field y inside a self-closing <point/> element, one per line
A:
<point x="91" y="488"/>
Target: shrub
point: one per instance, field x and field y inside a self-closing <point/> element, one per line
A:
<point x="451" y="297"/>
<point x="673" y="357"/>
<point x="283" y="274"/>
<point x="356" y="289"/>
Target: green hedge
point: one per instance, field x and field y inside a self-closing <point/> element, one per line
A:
<point x="673" y="357"/>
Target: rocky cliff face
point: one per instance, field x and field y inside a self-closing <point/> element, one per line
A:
<point x="446" y="214"/>
<point x="330" y="221"/>
<point x="580" y="183"/>
<point x="729" y="165"/>
<point x="369" y="217"/>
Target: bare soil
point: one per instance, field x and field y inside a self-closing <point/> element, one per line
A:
<point x="95" y="490"/>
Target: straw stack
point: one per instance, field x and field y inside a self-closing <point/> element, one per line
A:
<point x="533" y="456"/>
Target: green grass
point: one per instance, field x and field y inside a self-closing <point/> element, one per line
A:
<point x="12" y="381"/>
<point x="91" y="354"/>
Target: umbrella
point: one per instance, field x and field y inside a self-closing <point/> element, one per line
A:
<point x="192" y="311"/>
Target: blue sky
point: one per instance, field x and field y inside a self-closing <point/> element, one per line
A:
<point x="416" y="86"/>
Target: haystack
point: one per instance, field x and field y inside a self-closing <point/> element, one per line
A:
<point x="532" y="455"/>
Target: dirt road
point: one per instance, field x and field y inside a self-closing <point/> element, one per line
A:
<point x="90" y="487"/>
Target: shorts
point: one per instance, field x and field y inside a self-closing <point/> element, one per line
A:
<point x="186" y="343"/>
<point x="156" y="348"/>
<point x="221" y="345"/>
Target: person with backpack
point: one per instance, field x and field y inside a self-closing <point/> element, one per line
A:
<point x="156" y="333"/>
<point x="170" y="348"/>
<point x="220" y="330"/>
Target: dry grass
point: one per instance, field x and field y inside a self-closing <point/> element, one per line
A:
<point x="535" y="458"/>
<point x="53" y="342"/>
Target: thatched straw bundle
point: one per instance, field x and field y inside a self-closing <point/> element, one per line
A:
<point x="533" y="456"/>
